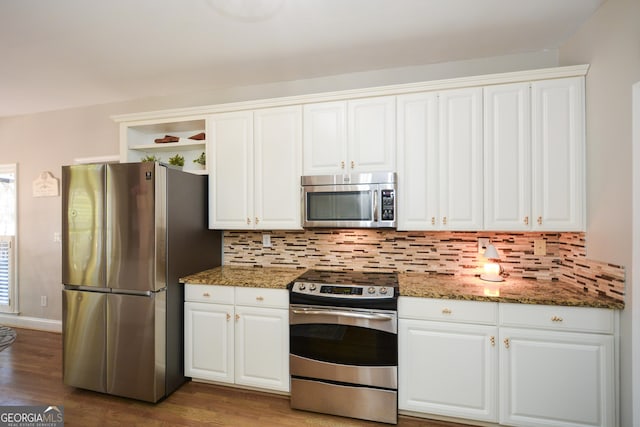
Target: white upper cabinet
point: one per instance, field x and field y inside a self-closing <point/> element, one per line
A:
<point x="460" y="154"/>
<point x="534" y="156"/>
<point x="507" y="157"/>
<point x="418" y="178"/>
<point x="558" y="154"/>
<point x="440" y="160"/>
<point x="255" y="157"/>
<point x="349" y="136"/>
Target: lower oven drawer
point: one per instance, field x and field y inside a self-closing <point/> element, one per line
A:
<point x="349" y="401"/>
<point x="375" y="376"/>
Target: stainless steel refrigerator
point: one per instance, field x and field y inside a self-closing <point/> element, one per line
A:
<point x="130" y="231"/>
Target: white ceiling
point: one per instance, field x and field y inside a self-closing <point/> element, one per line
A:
<point x="58" y="54"/>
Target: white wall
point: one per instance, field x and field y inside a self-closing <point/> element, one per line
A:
<point x="610" y="42"/>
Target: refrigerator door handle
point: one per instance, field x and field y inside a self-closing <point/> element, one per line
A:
<point x="131" y="292"/>
<point x="86" y="288"/>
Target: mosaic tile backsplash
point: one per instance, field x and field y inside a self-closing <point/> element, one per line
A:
<point x="442" y="252"/>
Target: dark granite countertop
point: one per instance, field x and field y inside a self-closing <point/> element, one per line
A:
<point x="424" y="285"/>
<point x="513" y="290"/>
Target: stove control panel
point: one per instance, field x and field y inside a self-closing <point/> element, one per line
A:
<point x="342" y="291"/>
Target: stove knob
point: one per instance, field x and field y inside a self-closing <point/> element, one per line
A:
<point x="383" y="290"/>
<point x="372" y="290"/>
<point x="312" y="287"/>
<point x="301" y="286"/>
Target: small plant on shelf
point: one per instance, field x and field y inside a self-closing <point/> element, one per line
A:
<point x="176" y="160"/>
<point x="202" y="160"/>
<point x="150" y="158"/>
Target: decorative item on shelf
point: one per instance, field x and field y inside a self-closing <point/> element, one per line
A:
<point x="198" y="137"/>
<point x="492" y="269"/>
<point x="202" y="160"/>
<point x="150" y="158"/>
<point x="167" y="138"/>
<point x="176" y="160"/>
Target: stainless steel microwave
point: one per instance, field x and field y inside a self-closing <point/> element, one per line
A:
<point x="364" y="200"/>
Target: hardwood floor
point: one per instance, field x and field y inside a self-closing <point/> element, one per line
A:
<point x="31" y="374"/>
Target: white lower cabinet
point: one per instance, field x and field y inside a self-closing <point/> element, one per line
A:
<point x="512" y="364"/>
<point x="447" y="365"/>
<point x="559" y="368"/>
<point x="238" y="336"/>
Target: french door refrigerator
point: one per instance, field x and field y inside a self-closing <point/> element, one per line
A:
<point x="130" y="231"/>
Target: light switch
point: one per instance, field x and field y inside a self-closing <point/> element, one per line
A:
<point x="266" y="241"/>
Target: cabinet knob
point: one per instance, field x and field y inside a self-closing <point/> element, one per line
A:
<point x="539" y="220"/>
<point x="228" y="317"/>
<point x="492" y="340"/>
<point x="260" y="299"/>
<point x="237" y="317"/>
<point x="506" y="342"/>
<point x="446" y="310"/>
<point x="353" y="164"/>
<point x="206" y="294"/>
<point x="342" y="164"/>
<point x="248" y="221"/>
<point x="444" y="220"/>
<point x="257" y="220"/>
<point x="433" y="220"/>
<point x="526" y="220"/>
<point x="556" y="319"/>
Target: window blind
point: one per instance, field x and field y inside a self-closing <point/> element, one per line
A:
<point x="6" y="272"/>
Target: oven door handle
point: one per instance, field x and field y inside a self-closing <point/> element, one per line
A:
<point x="368" y="316"/>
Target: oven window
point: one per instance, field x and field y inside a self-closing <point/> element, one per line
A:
<point x="347" y="345"/>
<point x="339" y="205"/>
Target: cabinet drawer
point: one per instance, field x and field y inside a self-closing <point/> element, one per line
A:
<point x="209" y="293"/>
<point x="448" y="310"/>
<point x="579" y="319"/>
<point x="262" y="297"/>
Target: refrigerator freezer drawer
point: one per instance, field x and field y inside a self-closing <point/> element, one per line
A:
<point x="84" y="357"/>
<point x="136" y="346"/>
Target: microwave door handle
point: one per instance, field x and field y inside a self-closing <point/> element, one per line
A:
<point x="375" y="205"/>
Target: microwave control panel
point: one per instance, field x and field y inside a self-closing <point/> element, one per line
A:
<point x="388" y="205"/>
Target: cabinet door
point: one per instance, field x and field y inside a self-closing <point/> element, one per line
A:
<point x="325" y="138"/>
<point x="460" y="154"/>
<point x="558" y="379"/>
<point x="371" y="136"/>
<point x="558" y="154"/>
<point x="507" y="157"/>
<point x="448" y="369"/>
<point x="262" y="348"/>
<point x="418" y="161"/>
<point x="230" y="158"/>
<point x="277" y="159"/>
<point x="208" y="341"/>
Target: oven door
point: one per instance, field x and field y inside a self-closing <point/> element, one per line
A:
<point x="344" y="345"/>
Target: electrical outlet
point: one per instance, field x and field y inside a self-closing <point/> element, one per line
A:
<point x="266" y="241"/>
<point x="540" y="247"/>
<point x="43" y="301"/>
<point x="483" y="242"/>
<point x="57" y="238"/>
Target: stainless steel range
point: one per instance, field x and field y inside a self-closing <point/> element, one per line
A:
<point x="344" y="344"/>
